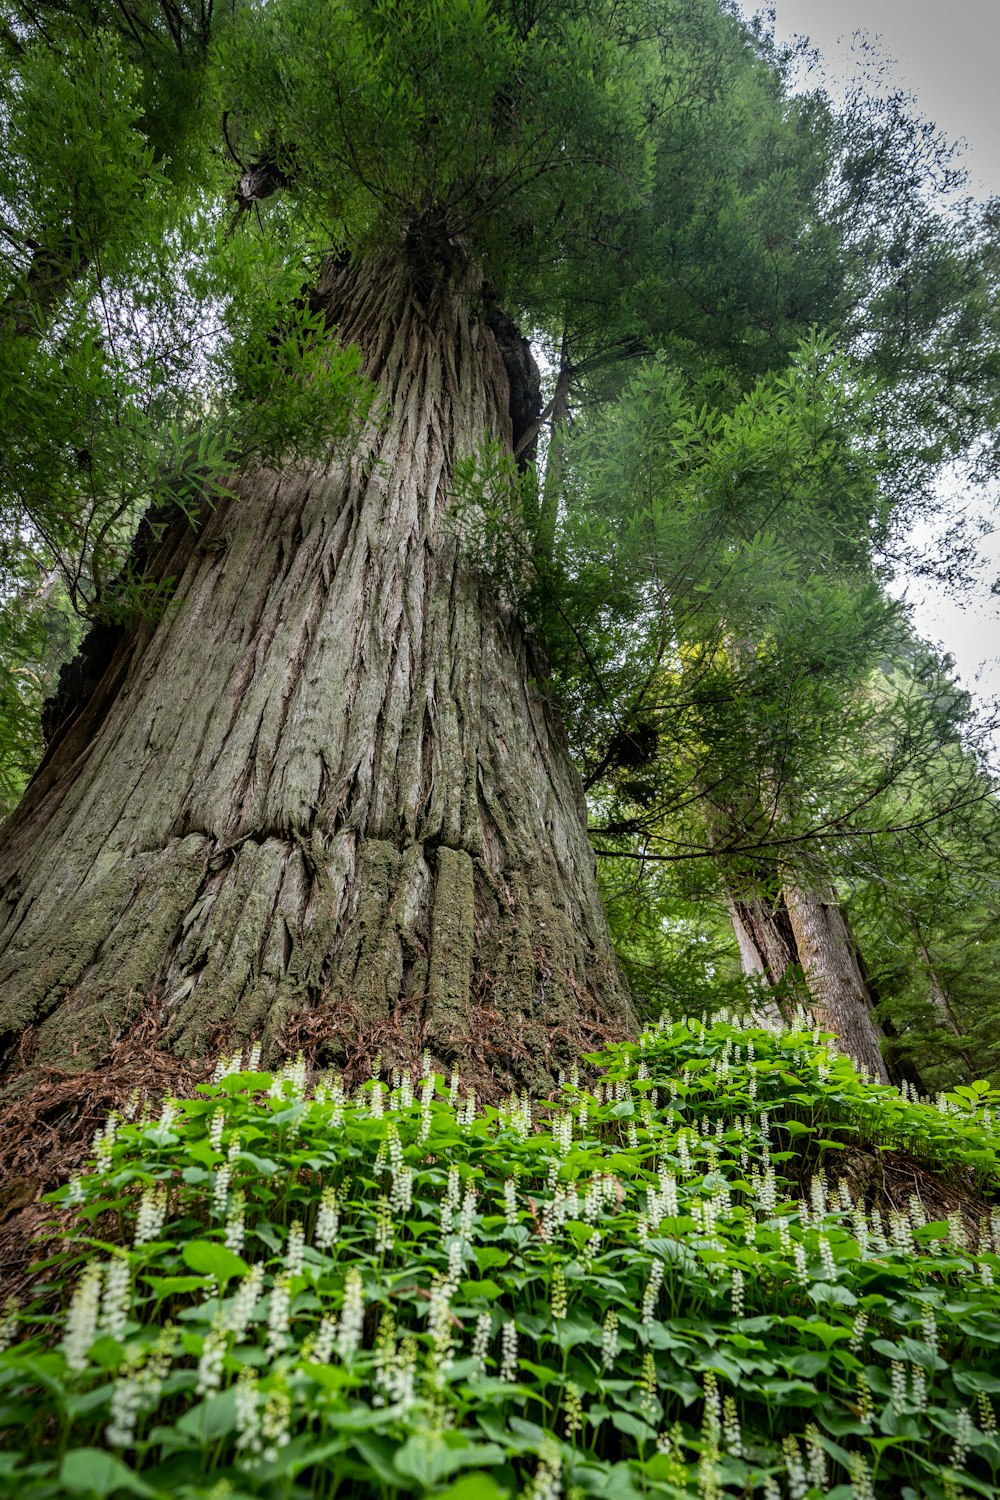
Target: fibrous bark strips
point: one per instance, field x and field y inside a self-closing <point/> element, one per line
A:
<point x="326" y="782"/>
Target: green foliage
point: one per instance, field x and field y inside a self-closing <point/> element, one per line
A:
<point x="716" y="565"/>
<point x="660" y="1282"/>
<point x="37" y="633"/>
<point x="924" y="902"/>
<point x="153" y="389"/>
<point x="147" y="355"/>
<point x="515" y="130"/>
<point x="75" y="169"/>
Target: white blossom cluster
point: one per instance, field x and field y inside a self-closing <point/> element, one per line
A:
<point x="327" y="1219"/>
<point x="515" y="1116"/>
<point x="290" y="1081"/>
<point x="222" y="1177"/>
<point x="151" y="1216"/>
<point x="352" y="1317"/>
<point x="137" y="1389"/>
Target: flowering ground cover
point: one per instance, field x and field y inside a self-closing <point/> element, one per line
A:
<point x="685" y="1274"/>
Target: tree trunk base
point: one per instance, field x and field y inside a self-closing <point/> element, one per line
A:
<point x="324" y="797"/>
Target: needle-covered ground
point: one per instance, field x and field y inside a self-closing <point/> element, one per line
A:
<point x="718" y="1263"/>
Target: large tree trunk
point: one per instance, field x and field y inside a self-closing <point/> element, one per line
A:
<point x="323" y="796"/>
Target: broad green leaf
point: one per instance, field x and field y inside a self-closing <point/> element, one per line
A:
<point x="624" y="1421"/>
<point x="213" y="1259"/>
<point x="90" y="1471"/>
<point x="210" y="1419"/>
<point x="429" y="1457"/>
<point x="473" y="1487"/>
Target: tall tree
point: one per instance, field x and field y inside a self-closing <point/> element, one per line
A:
<point x="366" y="809"/>
<point x="306" y="777"/>
<point x="731" y="717"/>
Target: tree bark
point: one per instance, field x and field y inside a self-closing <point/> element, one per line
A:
<point x="752" y="961"/>
<point x="322" y="796"/>
<point x="841" y="1001"/>
<point x="940" y="1000"/>
<point x="763" y="935"/>
<point x="804" y="925"/>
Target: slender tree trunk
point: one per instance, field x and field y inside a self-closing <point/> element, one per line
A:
<point x="322" y="797"/>
<point x="763" y="934"/>
<point x="943" y="1007"/>
<point x="763" y="950"/>
<point x="751" y="959"/>
<point x="548" y="510"/>
<point x="760" y="922"/>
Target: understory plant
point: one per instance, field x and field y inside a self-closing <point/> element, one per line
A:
<point x="678" y="1276"/>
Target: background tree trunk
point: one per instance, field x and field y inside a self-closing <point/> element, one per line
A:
<point x="323" y="797"/>
<point x="841" y="1001"/>
<point x="752" y="960"/>
<point x="803" y="924"/>
<point x="763" y="934"/>
<point x="940" y="999"/>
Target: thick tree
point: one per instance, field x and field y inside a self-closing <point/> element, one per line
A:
<point x="325" y="780"/>
<point x="306" y="779"/>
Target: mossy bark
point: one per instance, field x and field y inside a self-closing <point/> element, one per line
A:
<point x="325" y="790"/>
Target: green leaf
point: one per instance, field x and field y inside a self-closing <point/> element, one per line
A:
<point x="265" y="1165"/>
<point x="473" y="1487"/>
<point x="165" y="1286"/>
<point x="331" y="1377"/>
<point x="429" y="1456"/>
<point x="484" y="1288"/>
<point x="106" y="1352"/>
<point x="89" y="1471"/>
<point x="832" y="1292"/>
<point x="210" y="1419"/>
<point x="213" y="1259"/>
<point x="488" y="1257"/>
<point x="633" y="1426"/>
<point x="238" y="1083"/>
<point x="972" y="1381"/>
<point x="377" y="1452"/>
<point x="571" y="1331"/>
<point x="807" y="1365"/>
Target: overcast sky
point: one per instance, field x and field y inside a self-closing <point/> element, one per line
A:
<point x="948" y="54"/>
